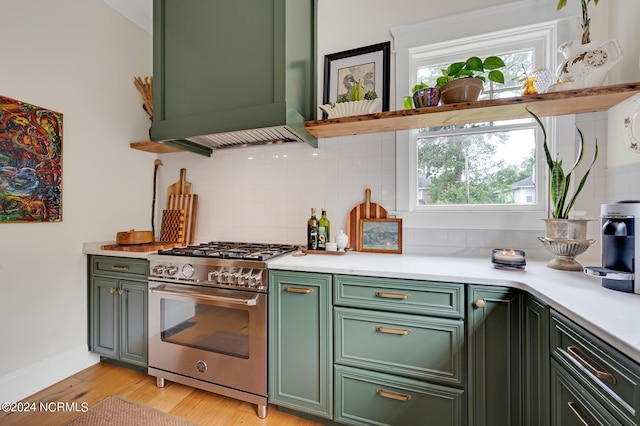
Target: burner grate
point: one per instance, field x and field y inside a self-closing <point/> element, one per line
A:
<point x="232" y="250"/>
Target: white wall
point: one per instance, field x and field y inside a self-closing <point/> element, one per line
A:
<point x="78" y="58"/>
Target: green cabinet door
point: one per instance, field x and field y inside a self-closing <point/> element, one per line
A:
<point x="133" y="322"/>
<point x="495" y="356"/>
<point x="536" y="363"/>
<point x="105" y="316"/>
<point x="300" y="342"/>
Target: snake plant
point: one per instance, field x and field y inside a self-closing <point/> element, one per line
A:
<point x="560" y="183"/>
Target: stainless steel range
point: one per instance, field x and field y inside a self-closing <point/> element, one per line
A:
<point x="208" y="318"/>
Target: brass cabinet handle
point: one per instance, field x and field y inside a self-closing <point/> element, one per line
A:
<point x="591" y="365"/>
<point x="388" y="295"/>
<point x="580" y="415"/>
<point x="298" y="290"/>
<point x="393" y="395"/>
<point x="119" y="268"/>
<point x="480" y="303"/>
<point x="112" y="290"/>
<point x="401" y="331"/>
<point x="121" y="292"/>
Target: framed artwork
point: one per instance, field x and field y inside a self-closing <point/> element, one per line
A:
<point x="30" y="163"/>
<point x="380" y="235"/>
<point x="370" y="64"/>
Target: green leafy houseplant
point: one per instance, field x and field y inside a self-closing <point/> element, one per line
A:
<point x="561" y="204"/>
<point x="473" y="67"/>
<point x="586" y="21"/>
<point x="408" y="100"/>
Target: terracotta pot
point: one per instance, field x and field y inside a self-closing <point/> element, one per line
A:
<point x="461" y="90"/>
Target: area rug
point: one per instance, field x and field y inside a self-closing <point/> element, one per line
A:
<point x="116" y="410"/>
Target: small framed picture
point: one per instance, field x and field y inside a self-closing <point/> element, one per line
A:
<point x="370" y="64"/>
<point x="380" y="235"/>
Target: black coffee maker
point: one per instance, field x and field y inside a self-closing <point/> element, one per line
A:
<point x="619" y="244"/>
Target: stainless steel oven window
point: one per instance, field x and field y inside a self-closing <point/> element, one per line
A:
<point x="204" y="326"/>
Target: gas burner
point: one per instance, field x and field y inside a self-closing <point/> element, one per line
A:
<point x="232" y="250"/>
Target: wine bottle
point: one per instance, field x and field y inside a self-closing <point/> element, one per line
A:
<point x="323" y="231"/>
<point x="312" y="231"/>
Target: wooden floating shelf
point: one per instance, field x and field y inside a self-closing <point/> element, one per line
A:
<point x="565" y="102"/>
<point x="546" y="104"/>
<point x="155" y="147"/>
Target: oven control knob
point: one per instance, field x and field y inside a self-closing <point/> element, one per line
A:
<point x="213" y="276"/>
<point x="201" y="366"/>
<point x="188" y="270"/>
<point x="224" y="277"/>
<point x="171" y="270"/>
<point x="233" y="278"/>
<point x="157" y="270"/>
<point x="255" y="281"/>
<point x="243" y="280"/>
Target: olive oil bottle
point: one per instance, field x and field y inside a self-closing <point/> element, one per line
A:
<point x="323" y="231"/>
<point x="312" y="231"/>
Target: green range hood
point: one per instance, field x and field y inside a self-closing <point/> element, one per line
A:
<point x="233" y="73"/>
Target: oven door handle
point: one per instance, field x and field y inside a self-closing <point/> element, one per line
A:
<point x="234" y="300"/>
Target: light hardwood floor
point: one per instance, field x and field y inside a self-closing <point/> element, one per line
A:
<point x="101" y="380"/>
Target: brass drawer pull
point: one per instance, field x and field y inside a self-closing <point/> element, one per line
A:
<point x="298" y="290"/>
<point x="393" y="395"/>
<point x="401" y="331"/>
<point x="388" y="295"/>
<point x="591" y="365"/>
<point x="580" y="415"/>
<point x="119" y="268"/>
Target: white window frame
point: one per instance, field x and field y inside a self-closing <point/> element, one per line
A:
<point x="519" y="21"/>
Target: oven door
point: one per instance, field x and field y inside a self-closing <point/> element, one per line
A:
<point x="215" y="335"/>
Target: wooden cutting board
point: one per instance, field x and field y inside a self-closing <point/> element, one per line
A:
<point x="172" y="227"/>
<point x="155" y="246"/>
<point x="188" y="203"/>
<point x="366" y="210"/>
<point x="181" y="186"/>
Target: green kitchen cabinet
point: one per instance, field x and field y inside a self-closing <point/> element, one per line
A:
<point x="300" y="342"/>
<point x="595" y="379"/>
<point x="495" y="356"/>
<point x="118" y="308"/>
<point x="222" y="66"/>
<point x="535" y="378"/>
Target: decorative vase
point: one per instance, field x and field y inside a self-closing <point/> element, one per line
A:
<point x="344" y="109"/>
<point x="566" y="239"/>
<point x="341" y="240"/>
<point x="425" y="97"/>
<point x="587" y="65"/>
<point x="461" y="90"/>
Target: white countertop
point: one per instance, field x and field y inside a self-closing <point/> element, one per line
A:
<point x="611" y="315"/>
<point x="95" y="248"/>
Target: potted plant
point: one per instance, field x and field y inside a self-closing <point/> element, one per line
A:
<point x="355" y="103"/>
<point x="463" y="81"/>
<point x="422" y="95"/>
<point x="587" y="63"/>
<point x="565" y="237"/>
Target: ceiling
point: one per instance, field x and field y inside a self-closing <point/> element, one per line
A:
<point x="140" y="12"/>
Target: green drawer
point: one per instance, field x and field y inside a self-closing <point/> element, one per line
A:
<point x="399" y="295"/>
<point x="131" y="268"/>
<point x="369" y="398"/>
<point x="420" y="347"/>
<point x="572" y="406"/>
<point x="611" y="377"/>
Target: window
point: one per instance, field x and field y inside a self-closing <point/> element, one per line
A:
<point x="479" y="175"/>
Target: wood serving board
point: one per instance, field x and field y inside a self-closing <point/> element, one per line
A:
<point x="172" y="229"/>
<point x="181" y="186"/>
<point x="188" y="203"/>
<point x="155" y="246"/>
<point x="366" y="210"/>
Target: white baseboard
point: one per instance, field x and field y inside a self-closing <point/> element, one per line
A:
<point x="22" y="383"/>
